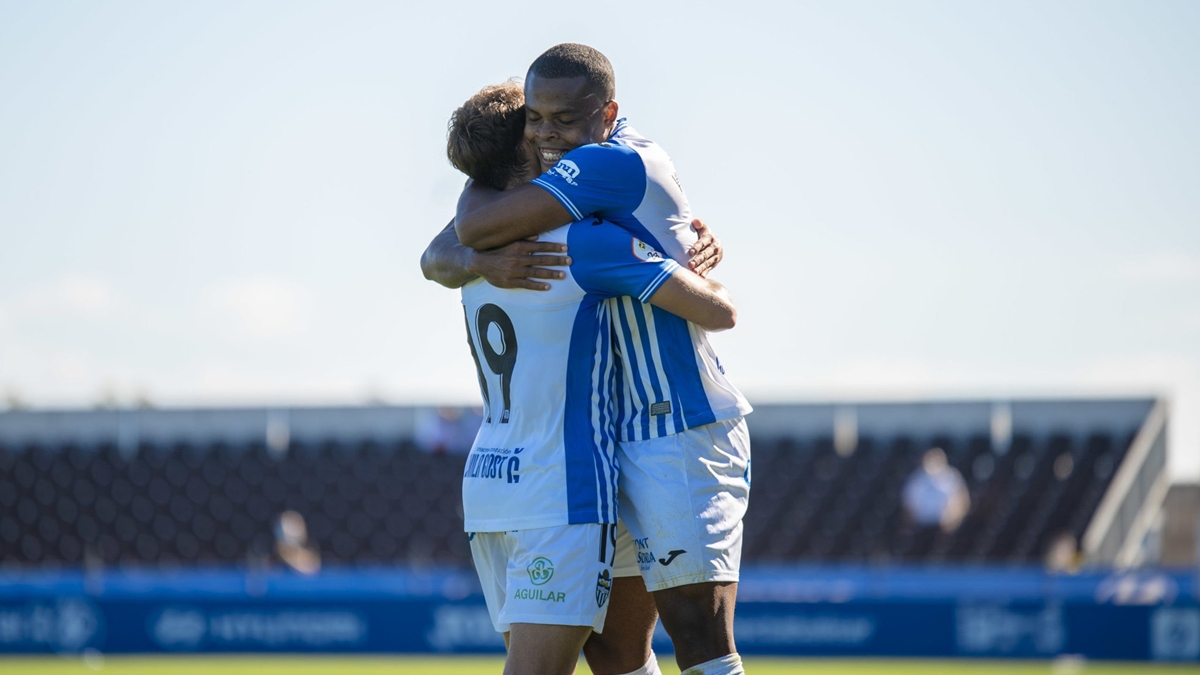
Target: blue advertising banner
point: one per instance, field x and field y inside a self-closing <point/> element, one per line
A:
<point x="404" y="612"/>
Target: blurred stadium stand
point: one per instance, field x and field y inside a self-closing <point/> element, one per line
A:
<point x="1181" y="526"/>
<point x="178" y="487"/>
<point x="168" y="531"/>
<point x="184" y="503"/>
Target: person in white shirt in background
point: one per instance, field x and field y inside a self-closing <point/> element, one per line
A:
<point x="936" y="494"/>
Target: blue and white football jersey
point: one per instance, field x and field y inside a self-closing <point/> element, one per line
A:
<point x="669" y="378"/>
<point x="544" y="455"/>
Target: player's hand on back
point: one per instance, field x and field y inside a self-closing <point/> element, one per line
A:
<point x="706" y="252"/>
<point x="521" y="264"/>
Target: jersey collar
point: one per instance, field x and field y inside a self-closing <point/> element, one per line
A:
<point x="621" y="126"/>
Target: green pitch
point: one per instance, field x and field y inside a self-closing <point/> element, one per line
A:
<point x="295" y="665"/>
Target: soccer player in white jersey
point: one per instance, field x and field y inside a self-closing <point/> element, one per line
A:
<point x="683" y="445"/>
<point x="539" y="487"/>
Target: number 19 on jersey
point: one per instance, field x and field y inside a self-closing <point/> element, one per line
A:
<point x="497" y="339"/>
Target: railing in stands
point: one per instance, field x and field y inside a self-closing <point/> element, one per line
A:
<point x="1134" y="497"/>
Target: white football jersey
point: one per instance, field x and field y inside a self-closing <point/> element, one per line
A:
<point x="544" y="453"/>
<point x="669" y="378"/>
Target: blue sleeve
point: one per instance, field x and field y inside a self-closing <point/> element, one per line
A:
<point x="606" y="260"/>
<point x="598" y="179"/>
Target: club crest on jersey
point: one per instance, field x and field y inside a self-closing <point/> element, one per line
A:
<point x="567" y="169"/>
<point x="643" y="251"/>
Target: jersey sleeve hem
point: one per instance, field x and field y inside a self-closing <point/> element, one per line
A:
<point x="532" y="522"/>
<point x="507" y="523"/>
<point x="691" y="420"/>
<point x="560" y="196"/>
<point x="665" y="273"/>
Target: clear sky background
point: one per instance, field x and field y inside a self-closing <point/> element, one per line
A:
<point x="224" y="202"/>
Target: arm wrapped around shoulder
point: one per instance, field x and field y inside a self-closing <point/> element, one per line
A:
<point x="704" y="302"/>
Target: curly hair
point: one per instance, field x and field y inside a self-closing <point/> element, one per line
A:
<point x="575" y="60"/>
<point x="485" y="135"/>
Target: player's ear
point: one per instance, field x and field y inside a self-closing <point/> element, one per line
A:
<point x="610" y="113"/>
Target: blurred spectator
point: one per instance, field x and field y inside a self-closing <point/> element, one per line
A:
<point x="291" y="543"/>
<point x="1063" y="554"/>
<point x="935" y="494"/>
<point x="13" y="400"/>
<point x="447" y="430"/>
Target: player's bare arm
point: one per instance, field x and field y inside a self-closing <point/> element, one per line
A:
<point x="704" y="302"/>
<point x="488" y="218"/>
<point x="447" y="262"/>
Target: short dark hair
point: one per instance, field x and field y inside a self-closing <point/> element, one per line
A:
<point x="485" y="134"/>
<point x="576" y="60"/>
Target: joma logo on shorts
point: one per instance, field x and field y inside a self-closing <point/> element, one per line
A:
<point x="539" y="594"/>
<point x="671" y="555"/>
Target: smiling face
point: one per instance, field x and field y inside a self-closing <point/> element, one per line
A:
<point x="564" y="113"/>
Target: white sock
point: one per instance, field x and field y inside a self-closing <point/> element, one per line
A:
<point x="730" y="664"/>
<point x="651" y="667"/>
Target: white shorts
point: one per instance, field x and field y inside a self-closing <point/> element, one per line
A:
<point x="559" y="576"/>
<point x="683" y="497"/>
<point x="626" y="562"/>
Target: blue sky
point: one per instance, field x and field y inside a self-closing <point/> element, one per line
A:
<point x="224" y="203"/>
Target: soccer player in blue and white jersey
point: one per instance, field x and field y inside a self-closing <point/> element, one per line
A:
<point x="539" y="487"/>
<point x="683" y="445"/>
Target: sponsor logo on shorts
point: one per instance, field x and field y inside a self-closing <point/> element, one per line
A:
<point x="542" y="594"/>
<point x="644" y="555"/>
<point x="671" y="556"/>
<point x="540" y="570"/>
<point x="603" y="588"/>
<point x="660" y="408"/>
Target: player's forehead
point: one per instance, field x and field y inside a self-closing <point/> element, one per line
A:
<point x="551" y="96"/>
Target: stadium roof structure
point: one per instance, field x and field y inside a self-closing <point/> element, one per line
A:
<point x="384" y="423"/>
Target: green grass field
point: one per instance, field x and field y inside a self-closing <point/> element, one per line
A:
<point x="306" y="665"/>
